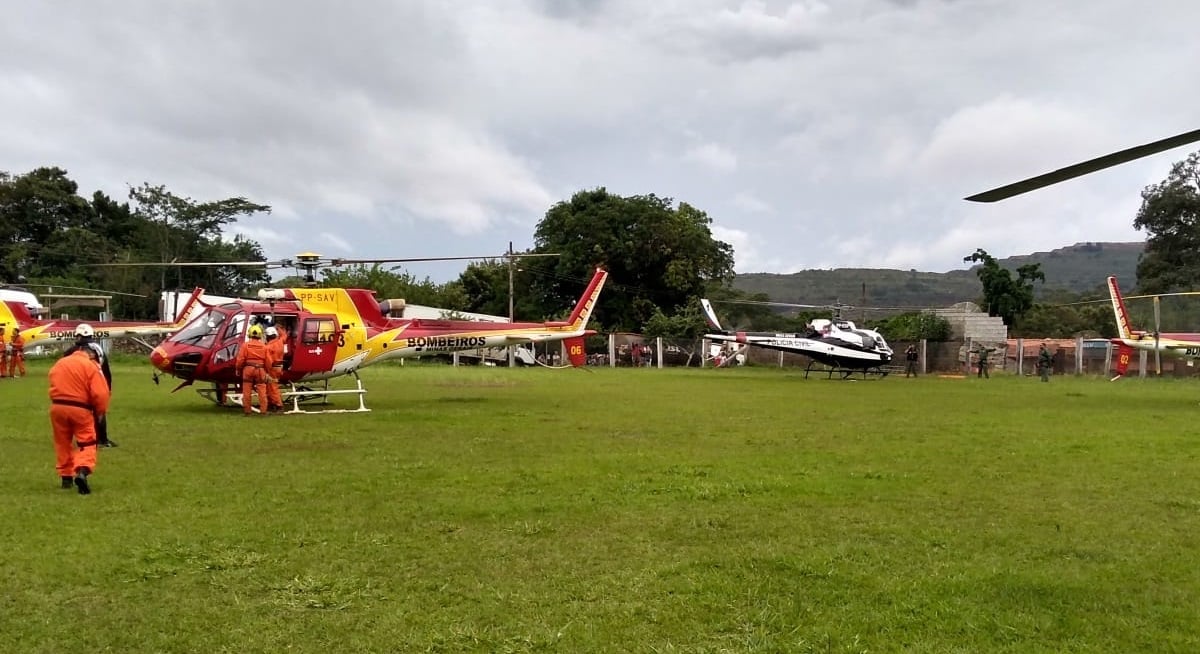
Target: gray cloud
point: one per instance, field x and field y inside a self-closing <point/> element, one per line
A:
<point x="815" y="134"/>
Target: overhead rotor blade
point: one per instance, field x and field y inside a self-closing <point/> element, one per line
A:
<point x="50" y="288"/>
<point x="1090" y="166"/>
<point x="192" y="264"/>
<point x="343" y="262"/>
<point x="767" y="303"/>
<point x="1128" y="297"/>
<point x="844" y="307"/>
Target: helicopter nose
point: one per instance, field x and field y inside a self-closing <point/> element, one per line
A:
<point x="159" y="359"/>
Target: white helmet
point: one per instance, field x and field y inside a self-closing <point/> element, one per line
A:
<point x="84" y="330"/>
<point x="272" y="332"/>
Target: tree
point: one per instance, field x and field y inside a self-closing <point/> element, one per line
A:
<point x="915" y="326"/>
<point x="185" y="230"/>
<point x="1170" y="214"/>
<point x="660" y="257"/>
<point x="403" y="285"/>
<point x="1002" y="295"/>
<point x="1066" y="321"/>
<point x="49" y="234"/>
<point x="37" y="209"/>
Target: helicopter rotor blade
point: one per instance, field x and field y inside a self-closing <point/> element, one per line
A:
<point x="309" y="260"/>
<point x="767" y="303"/>
<point x="1086" y="167"/>
<point x="194" y="264"/>
<point x="833" y="307"/>
<point x="50" y="288"/>
<point x="352" y="262"/>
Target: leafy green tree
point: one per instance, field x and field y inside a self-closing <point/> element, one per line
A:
<point x="915" y="326"/>
<point x="486" y="286"/>
<point x="49" y="234"/>
<point x="1170" y="214"/>
<point x="400" y="285"/>
<point x="1065" y="321"/>
<point x="686" y="323"/>
<point x="660" y="257"/>
<point x="181" y="229"/>
<point x="37" y="210"/>
<point x="1004" y="296"/>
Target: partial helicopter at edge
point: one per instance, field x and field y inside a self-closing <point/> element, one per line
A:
<point x="1085" y="168"/>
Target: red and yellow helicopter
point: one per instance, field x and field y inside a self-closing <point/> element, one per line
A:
<point x="41" y="331"/>
<point x="332" y="332"/>
<point x="1185" y="345"/>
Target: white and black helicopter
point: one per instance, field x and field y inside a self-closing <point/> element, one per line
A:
<point x="833" y="342"/>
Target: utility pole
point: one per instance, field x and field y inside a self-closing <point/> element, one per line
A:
<point x="512" y="359"/>
<point x="863" y="318"/>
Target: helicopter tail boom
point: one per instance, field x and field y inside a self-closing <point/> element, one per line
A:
<point x="710" y="316"/>
<point x="1119" y="311"/>
<point x="587" y="302"/>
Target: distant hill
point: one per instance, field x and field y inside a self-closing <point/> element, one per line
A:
<point x="1076" y="268"/>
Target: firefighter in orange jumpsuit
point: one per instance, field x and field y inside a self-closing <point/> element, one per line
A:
<point x="275" y="347"/>
<point x="16" y="358"/>
<point x="253" y="362"/>
<point x="78" y="396"/>
<point x="3" y="350"/>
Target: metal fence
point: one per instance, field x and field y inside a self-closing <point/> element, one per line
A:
<point x="1015" y="356"/>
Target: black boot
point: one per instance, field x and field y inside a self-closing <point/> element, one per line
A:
<point x="107" y="443"/>
<point x="81" y="481"/>
<point x="67" y="482"/>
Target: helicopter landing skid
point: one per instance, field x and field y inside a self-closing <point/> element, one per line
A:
<point x="847" y="373"/>
<point x="293" y="398"/>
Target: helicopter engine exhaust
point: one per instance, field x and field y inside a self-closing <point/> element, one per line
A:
<point x="392" y="308"/>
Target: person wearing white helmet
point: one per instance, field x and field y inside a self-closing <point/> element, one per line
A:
<point x="84" y="337"/>
<point x="275" y="348"/>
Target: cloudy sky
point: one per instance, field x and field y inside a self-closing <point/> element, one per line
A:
<point x="815" y="134"/>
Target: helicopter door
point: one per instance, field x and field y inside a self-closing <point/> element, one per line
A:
<point x="225" y="352"/>
<point x="316" y="344"/>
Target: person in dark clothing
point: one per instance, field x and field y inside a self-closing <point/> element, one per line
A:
<point x="982" y="362"/>
<point x="911" y="357"/>
<point x="85" y="337"/>
<point x="1044" y="363"/>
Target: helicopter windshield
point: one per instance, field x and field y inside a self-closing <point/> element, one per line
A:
<point x="202" y="331"/>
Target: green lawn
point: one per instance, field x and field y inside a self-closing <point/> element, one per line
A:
<point x="495" y="510"/>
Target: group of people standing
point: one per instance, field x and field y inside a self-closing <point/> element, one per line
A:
<point x="1045" y="361"/>
<point x="81" y="390"/>
<point x="12" y="352"/>
<point x="259" y="365"/>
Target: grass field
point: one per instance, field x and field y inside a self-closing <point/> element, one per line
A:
<point x="494" y="510"/>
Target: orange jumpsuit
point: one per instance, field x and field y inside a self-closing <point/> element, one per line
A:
<point x="275" y="348"/>
<point x="3" y="351"/>
<point x="253" y="361"/>
<point x="16" y="360"/>
<point x="78" y="394"/>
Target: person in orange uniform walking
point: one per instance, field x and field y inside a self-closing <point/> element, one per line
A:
<point x="253" y="361"/>
<point x="16" y="358"/>
<point x="275" y="348"/>
<point x="78" y="395"/>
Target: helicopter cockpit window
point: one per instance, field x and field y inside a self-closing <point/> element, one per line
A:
<point x="317" y="331"/>
<point x="236" y="326"/>
<point x="201" y="331"/>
